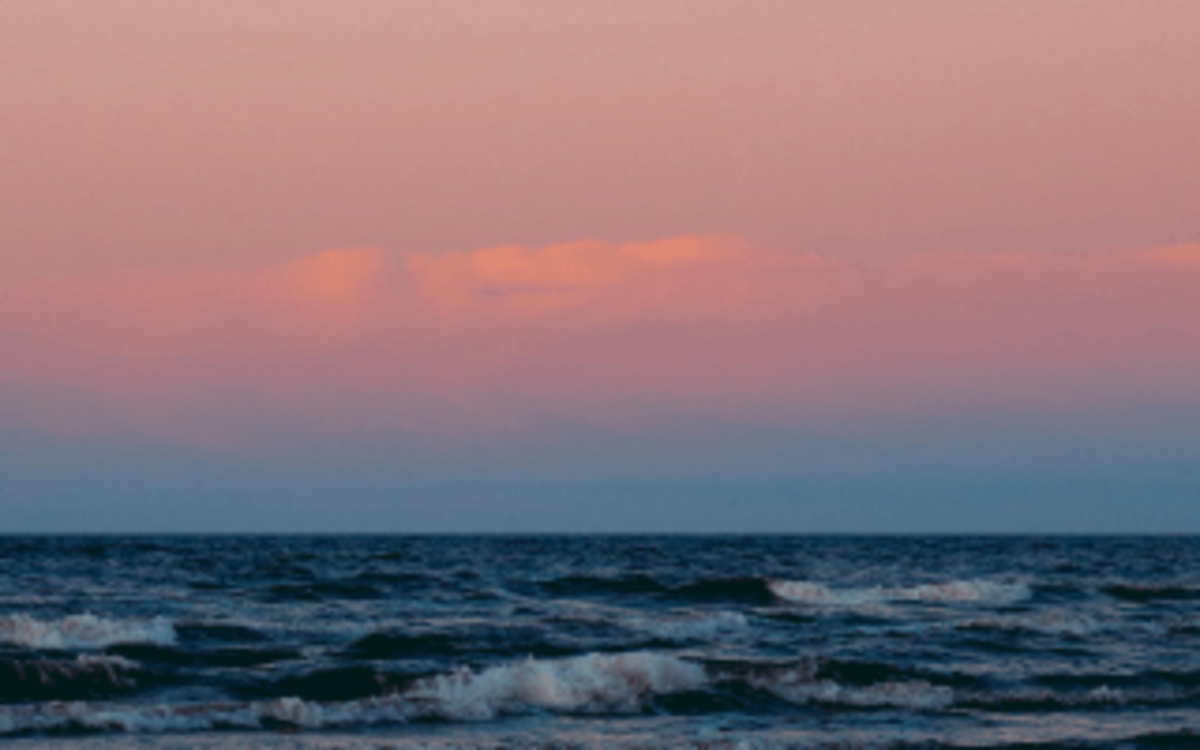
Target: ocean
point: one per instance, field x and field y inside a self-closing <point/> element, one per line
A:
<point x="599" y="641"/>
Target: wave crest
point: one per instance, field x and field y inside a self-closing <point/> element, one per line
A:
<point x="594" y="683"/>
<point x="83" y="632"/>
<point x="981" y="591"/>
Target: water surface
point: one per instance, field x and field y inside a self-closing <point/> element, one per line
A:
<point x="640" y="642"/>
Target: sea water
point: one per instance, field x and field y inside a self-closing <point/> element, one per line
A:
<point x="634" y="642"/>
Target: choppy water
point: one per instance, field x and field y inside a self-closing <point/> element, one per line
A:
<point x="599" y="641"/>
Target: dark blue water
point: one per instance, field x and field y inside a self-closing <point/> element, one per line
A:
<point x="599" y="641"/>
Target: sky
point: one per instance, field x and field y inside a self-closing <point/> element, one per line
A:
<point x="543" y="266"/>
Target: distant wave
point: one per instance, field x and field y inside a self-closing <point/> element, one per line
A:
<point x="83" y="632"/>
<point x="765" y="591"/>
<point x="982" y="591"/>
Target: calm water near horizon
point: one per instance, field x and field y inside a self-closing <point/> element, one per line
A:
<point x="599" y="641"/>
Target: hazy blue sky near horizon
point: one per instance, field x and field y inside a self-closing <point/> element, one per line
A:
<point x="561" y="266"/>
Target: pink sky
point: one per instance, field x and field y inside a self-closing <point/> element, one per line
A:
<point x="618" y="336"/>
<point x="228" y="225"/>
<point x="145" y="134"/>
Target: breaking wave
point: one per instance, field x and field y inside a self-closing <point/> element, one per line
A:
<point x="83" y="632"/>
<point x="595" y="683"/>
<point x="981" y="591"/>
<point x="591" y="684"/>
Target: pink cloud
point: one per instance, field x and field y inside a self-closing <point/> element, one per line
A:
<point x="361" y="341"/>
<point x="1176" y="255"/>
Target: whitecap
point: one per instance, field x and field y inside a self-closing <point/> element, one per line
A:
<point x="977" y="590"/>
<point x="1060" y="623"/>
<point x="595" y="683"/>
<point x="83" y="632"/>
<point x="798" y="684"/>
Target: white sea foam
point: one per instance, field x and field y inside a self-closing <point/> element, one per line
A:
<point x="83" y="632"/>
<point x="594" y="683"/>
<point x="694" y="628"/>
<point x="806" y="592"/>
<point x="799" y="685"/>
<point x="1056" y="622"/>
<point x="1102" y="695"/>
